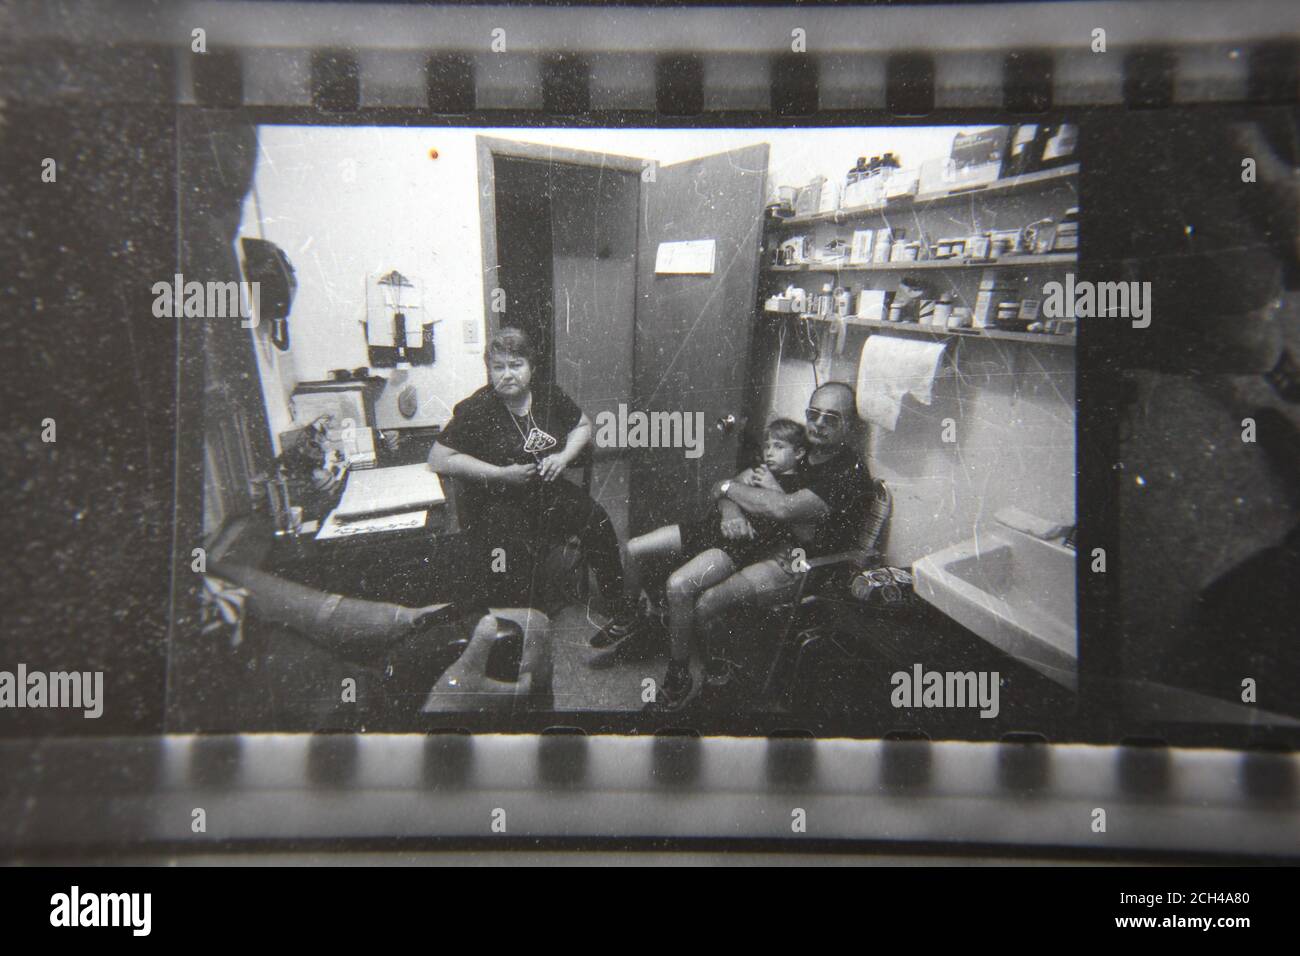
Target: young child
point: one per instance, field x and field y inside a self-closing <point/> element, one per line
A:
<point x="741" y="541"/>
<point x="784" y="447"/>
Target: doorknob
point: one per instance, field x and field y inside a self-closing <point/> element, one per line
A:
<point x="727" y="423"/>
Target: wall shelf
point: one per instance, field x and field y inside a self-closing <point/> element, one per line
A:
<point x="1006" y="262"/>
<point x="999" y="188"/>
<point x="1004" y="335"/>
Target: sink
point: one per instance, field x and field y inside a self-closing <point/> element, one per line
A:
<point x="1015" y="591"/>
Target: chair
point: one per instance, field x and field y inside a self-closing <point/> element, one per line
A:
<point x="464" y="513"/>
<point x="815" y="589"/>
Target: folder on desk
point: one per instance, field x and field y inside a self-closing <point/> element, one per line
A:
<point x="381" y="491"/>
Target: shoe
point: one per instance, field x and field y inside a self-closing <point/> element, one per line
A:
<point x="719" y="685"/>
<point x="674" y="693"/>
<point x="621" y="626"/>
<point x="643" y="643"/>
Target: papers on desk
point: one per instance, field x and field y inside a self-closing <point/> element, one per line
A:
<point x="377" y="491"/>
<point x="334" y="528"/>
<point x="383" y="500"/>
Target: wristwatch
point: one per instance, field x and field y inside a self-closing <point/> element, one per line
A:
<point x="722" y="488"/>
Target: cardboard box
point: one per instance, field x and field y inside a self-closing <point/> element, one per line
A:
<point x="884" y="240"/>
<point x="873" y="304"/>
<point x="902" y="182"/>
<point x="810" y="198"/>
<point x="865" y="192"/>
<point x="860" y="248"/>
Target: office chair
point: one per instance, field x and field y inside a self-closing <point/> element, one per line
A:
<point x="798" y="636"/>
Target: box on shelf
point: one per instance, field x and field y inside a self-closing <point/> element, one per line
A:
<point x="865" y="192"/>
<point x="810" y="198"/>
<point x="835" y="250"/>
<point x="993" y="292"/>
<point x="936" y="176"/>
<point x="860" y="248"/>
<point x="873" y="304"/>
<point x="971" y="177"/>
<point x="982" y="148"/>
<point x="902" y="182"/>
<point x="829" y="199"/>
<point x="883" y="245"/>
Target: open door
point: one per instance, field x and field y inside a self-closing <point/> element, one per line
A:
<point x="559" y="260"/>
<point x="693" y="332"/>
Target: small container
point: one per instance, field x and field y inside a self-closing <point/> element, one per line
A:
<point x="1007" y="315"/>
<point x="1067" y="232"/>
<point x="884" y="245"/>
<point x="824" y="301"/>
<point x="942" y="313"/>
<point x="843" y="301"/>
<point x="1003" y="242"/>
<point x="960" y="318"/>
<point x="977" y="247"/>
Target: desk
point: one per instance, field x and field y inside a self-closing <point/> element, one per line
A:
<point x="384" y="522"/>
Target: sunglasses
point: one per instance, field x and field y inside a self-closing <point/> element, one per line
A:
<point x="816" y="415"/>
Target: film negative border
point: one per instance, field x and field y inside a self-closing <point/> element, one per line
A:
<point x="1017" y="792"/>
<point x="561" y="61"/>
<point x="198" y="794"/>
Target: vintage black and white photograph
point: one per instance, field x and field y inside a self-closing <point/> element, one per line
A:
<point x="610" y="432"/>
<point x="679" y="422"/>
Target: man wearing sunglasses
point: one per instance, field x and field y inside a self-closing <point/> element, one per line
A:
<point x="827" y="513"/>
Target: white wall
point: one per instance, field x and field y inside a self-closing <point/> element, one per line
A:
<point x="1014" y="408"/>
<point x="347" y="202"/>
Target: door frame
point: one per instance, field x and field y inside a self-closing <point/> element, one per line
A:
<point x="492" y="147"/>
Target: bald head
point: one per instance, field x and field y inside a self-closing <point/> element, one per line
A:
<point x="832" y="413"/>
<point x="836" y="396"/>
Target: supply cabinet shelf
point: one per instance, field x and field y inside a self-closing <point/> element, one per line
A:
<point x="1004" y="335"/>
<point x="1006" y="262"/>
<point x="998" y="188"/>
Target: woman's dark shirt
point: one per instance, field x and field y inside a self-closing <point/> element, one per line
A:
<point x="482" y="427"/>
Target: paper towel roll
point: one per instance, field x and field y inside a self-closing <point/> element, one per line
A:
<point x="891" y="367"/>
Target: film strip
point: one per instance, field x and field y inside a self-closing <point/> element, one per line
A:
<point x="1035" y="782"/>
<point x="543" y="60"/>
<point x="229" y="793"/>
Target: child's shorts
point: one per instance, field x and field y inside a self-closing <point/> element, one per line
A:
<point x="706" y="534"/>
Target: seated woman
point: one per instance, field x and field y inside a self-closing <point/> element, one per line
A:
<point x="510" y="444"/>
<point x="719" y="546"/>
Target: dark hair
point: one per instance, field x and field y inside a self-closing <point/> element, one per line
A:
<point x="786" y="430"/>
<point x="511" y="342"/>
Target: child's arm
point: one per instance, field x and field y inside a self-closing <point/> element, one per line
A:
<point x="734" y="522"/>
